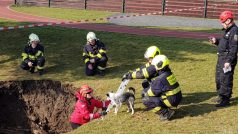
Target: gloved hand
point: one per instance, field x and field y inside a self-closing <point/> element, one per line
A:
<point x="103" y="113"/>
<point x="126" y="76"/>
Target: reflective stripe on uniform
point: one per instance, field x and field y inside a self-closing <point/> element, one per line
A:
<point x="91" y="116"/>
<point x="86" y="60"/>
<point x="101" y="68"/>
<point x="145" y="73"/>
<point x="99" y="55"/>
<point x="24" y="56"/>
<point x="92" y="55"/>
<point x="173" y="92"/>
<point x="85" y="54"/>
<point x="40" y="68"/>
<point x="171" y="79"/>
<point x="150" y="92"/>
<point x="133" y="75"/>
<point x="156" y="109"/>
<point x="102" y="51"/>
<point x="167" y="103"/>
<point x="138" y="69"/>
<point x="39" y="53"/>
<point x="147" y="64"/>
<point x="32" y="57"/>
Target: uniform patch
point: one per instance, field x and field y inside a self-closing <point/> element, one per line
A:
<point x="236" y="37"/>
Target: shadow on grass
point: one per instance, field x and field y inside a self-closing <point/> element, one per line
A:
<point x="191" y="98"/>
<point x="199" y="109"/>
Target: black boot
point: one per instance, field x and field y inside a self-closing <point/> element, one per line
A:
<point x="32" y="70"/>
<point x="223" y="103"/>
<point x="166" y="114"/>
<point x="41" y="72"/>
<point x="101" y="72"/>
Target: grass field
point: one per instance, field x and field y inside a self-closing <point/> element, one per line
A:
<point x="64" y="14"/>
<point x="192" y="61"/>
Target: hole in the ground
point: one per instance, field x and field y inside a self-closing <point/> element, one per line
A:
<point x="30" y="106"/>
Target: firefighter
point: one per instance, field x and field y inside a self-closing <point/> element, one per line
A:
<point x="85" y="104"/>
<point x="164" y="91"/>
<point x="227" y="58"/>
<point x="146" y="70"/>
<point x="94" y="56"/>
<point x="33" y="55"/>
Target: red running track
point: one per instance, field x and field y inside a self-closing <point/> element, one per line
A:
<point x="7" y="13"/>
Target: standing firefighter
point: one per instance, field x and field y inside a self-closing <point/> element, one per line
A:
<point x="227" y="58"/>
<point x="94" y="56"/>
<point x="83" y="109"/>
<point x="33" y="55"/>
<point x="164" y="91"/>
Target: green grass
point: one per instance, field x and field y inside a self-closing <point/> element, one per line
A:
<point x="192" y="61"/>
<point x="5" y="22"/>
<point x="63" y="13"/>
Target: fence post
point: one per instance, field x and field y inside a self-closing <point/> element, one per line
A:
<point x="49" y="3"/>
<point x="15" y="2"/>
<point x="123" y="6"/>
<point x="205" y="9"/>
<point x="85" y="4"/>
<point x="163" y="6"/>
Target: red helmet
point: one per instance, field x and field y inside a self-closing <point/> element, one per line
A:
<point x="83" y="91"/>
<point x="226" y="15"/>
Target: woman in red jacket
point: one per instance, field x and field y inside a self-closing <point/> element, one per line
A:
<point x="83" y="109"/>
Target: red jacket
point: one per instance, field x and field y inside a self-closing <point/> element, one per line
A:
<point x="83" y="110"/>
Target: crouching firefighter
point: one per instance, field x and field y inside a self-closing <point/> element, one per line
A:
<point x="147" y="71"/>
<point x="94" y="56"/>
<point x="164" y="92"/>
<point x="33" y="55"/>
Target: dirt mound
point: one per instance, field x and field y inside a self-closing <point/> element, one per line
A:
<point x="30" y="106"/>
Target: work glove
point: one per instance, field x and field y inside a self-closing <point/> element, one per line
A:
<point x="103" y="113"/>
<point x="126" y="76"/>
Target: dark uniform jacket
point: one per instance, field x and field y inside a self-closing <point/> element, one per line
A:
<point x="227" y="45"/>
<point x="31" y="54"/>
<point x="96" y="51"/>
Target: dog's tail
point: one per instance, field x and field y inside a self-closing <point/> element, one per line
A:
<point x="132" y="90"/>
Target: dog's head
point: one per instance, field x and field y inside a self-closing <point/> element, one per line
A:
<point x="131" y="90"/>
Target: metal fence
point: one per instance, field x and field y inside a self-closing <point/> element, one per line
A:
<point x="191" y="8"/>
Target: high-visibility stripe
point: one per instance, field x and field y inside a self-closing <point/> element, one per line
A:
<point x="167" y="103"/>
<point x="39" y="53"/>
<point x="99" y="55"/>
<point x="138" y="69"/>
<point x="101" y="68"/>
<point x="32" y="57"/>
<point x="150" y="92"/>
<point x="24" y="56"/>
<point x="85" y="54"/>
<point x="92" y="55"/>
<point x="171" y="79"/>
<point x="86" y="60"/>
<point x="156" y="109"/>
<point x="173" y="92"/>
<point x="102" y="51"/>
<point x="40" y="68"/>
<point x="133" y="75"/>
<point x="145" y="73"/>
<point x="147" y="64"/>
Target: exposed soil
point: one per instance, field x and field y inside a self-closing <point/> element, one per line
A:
<point x="38" y="107"/>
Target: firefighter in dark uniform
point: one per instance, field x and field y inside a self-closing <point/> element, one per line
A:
<point x="33" y="55"/>
<point x="164" y="91"/>
<point x="227" y="58"/>
<point x="146" y="71"/>
<point x="94" y="56"/>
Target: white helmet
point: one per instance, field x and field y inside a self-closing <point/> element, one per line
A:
<point x="91" y="36"/>
<point x="160" y="61"/>
<point x="33" y="37"/>
<point x="151" y="52"/>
